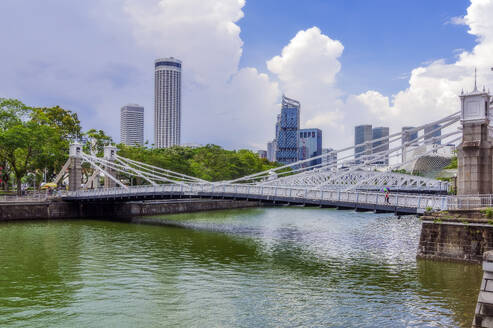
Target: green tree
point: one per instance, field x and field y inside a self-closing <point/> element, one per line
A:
<point x="34" y="140"/>
<point x="99" y="139"/>
<point x="211" y="162"/>
<point x="24" y="145"/>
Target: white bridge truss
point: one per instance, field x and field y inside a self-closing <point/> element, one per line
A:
<point x="348" y="176"/>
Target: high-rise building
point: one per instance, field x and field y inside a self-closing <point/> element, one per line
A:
<point x="330" y="157"/>
<point x="362" y="134"/>
<point x="310" y="145"/>
<point x="409" y="136"/>
<point x="380" y="146"/>
<point x="262" y="154"/>
<point x="431" y="131"/>
<point x="287" y="131"/>
<point x="271" y="150"/>
<point x="132" y="125"/>
<point x="167" y="102"/>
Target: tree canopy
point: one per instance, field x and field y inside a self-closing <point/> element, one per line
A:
<point x="210" y="162"/>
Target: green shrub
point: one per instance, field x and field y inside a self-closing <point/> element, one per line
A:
<point x="429" y="208"/>
<point x="488" y="212"/>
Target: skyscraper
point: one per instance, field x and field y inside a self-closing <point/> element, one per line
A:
<point x="431" y="131"/>
<point x="132" y="125"/>
<point x="271" y="150"/>
<point x="287" y="131"/>
<point x="408" y="136"/>
<point x="167" y="102"/>
<point x="362" y="133"/>
<point x="310" y="145"/>
<point x="382" y="145"/>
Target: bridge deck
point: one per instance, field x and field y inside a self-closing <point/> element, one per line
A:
<point x="372" y="201"/>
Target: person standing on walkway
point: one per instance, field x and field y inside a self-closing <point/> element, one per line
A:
<point x="387" y="196"/>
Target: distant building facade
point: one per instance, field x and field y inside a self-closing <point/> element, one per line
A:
<point x="132" y="125"/>
<point x="380" y="146"/>
<point x="310" y="145"/>
<point x="167" y="102"/>
<point x="262" y="154"/>
<point x="409" y="135"/>
<point x="431" y="131"/>
<point x="271" y="150"/>
<point x="287" y="127"/>
<point x="362" y="134"/>
<point x="330" y="158"/>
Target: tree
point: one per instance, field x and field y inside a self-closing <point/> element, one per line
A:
<point x="34" y="140"/>
<point x="67" y="127"/>
<point x="211" y="162"/>
<point x="99" y="138"/>
<point x="25" y="144"/>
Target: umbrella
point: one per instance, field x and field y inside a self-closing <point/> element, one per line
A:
<point x="385" y="189"/>
<point x="48" y="185"/>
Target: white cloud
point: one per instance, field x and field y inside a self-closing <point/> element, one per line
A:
<point x="307" y="68"/>
<point x="202" y="33"/>
<point x="457" y="20"/>
<point x="433" y="88"/>
<point x="222" y="103"/>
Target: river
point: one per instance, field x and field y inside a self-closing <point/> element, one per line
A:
<point x="265" y="267"/>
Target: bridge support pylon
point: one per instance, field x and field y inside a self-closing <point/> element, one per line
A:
<point x="475" y="153"/>
<point x="75" y="167"/>
<point x="110" y="156"/>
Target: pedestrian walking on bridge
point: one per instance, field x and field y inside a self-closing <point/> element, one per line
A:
<point x="387" y="195"/>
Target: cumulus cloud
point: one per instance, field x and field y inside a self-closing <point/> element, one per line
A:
<point x="222" y="103"/>
<point x="307" y="69"/>
<point x="433" y="88"/>
<point x="202" y="33"/>
<point x="94" y="58"/>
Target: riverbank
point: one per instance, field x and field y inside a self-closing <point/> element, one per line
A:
<point x="462" y="235"/>
<point x="58" y="209"/>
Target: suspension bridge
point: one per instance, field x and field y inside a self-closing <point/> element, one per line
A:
<point x="347" y="180"/>
<point x="343" y="182"/>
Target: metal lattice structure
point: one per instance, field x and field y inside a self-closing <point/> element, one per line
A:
<point x="328" y="181"/>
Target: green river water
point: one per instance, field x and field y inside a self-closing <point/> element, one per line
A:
<point x="266" y="267"/>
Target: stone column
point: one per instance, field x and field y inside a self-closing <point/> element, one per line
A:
<point x="474" y="153"/>
<point x="484" y="308"/>
<point x="474" y="160"/>
<point x="75" y="168"/>
<point x="109" y="155"/>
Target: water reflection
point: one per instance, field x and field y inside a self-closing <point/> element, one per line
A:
<point x="445" y="281"/>
<point x="39" y="269"/>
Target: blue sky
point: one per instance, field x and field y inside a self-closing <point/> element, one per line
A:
<point x="382" y="62"/>
<point x="383" y="39"/>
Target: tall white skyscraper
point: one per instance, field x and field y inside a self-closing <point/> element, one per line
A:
<point x="167" y="102"/>
<point x="132" y="125"/>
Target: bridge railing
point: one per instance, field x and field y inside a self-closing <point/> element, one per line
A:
<point x="469" y="202"/>
<point x="420" y="202"/>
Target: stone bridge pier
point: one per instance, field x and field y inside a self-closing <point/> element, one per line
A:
<point x="475" y="153"/>
<point x="110" y="156"/>
<point x="75" y="167"/>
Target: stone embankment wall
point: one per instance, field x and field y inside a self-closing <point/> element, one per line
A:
<point x="484" y="308"/>
<point x="37" y="210"/>
<point x="56" y="209"/>
<point x="456" y="236"/>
